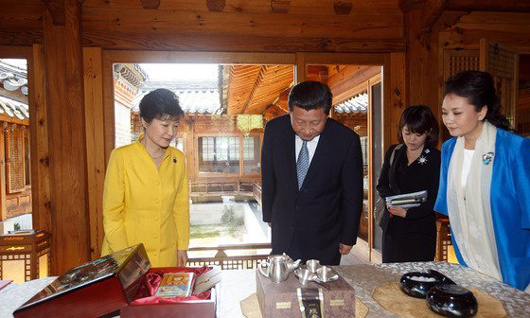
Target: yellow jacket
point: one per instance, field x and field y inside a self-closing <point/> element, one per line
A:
<point x="143" y="204"/>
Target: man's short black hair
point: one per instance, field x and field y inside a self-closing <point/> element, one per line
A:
<point x="310" y="95"/>
<point x="160" y="104"/>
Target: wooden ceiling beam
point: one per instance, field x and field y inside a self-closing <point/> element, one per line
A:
<point x="342" y="7"/>
<point x="464" y="5"/>
<point x="280" y="6"/>
<point x="150" y="4"/>
<point x="216" y="5"/>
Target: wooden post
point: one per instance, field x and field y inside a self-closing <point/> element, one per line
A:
<point x="40" y="153"/>
<point x="95" y="139"/>
<point x="66" y="132"/>
<point x="423" y="79"/>
<point x="421" y="63"/>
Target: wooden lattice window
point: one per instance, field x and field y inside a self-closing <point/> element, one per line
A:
<point x="456" y="61"/>
<point x="14" y="150"/>
<point x="502" y="63"/>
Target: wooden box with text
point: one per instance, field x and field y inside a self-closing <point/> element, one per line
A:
<point x="281" y="300"/>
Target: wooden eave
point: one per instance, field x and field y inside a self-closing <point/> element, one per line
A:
<point x="251" y="88"/>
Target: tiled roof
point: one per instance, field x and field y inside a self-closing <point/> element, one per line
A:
<point x="13" y="108"/>
<point x="356" y="104"/>
<point x="204" y="101"/>
<point x="13" y="78"/>
<point x="194" y="97"/>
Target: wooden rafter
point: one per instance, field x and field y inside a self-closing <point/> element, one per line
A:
<point x="56" y="9"/>
<point x="257" y="84"/>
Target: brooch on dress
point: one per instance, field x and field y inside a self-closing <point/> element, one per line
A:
<point x="422" y="160"/>
<point x="487" y="158"/>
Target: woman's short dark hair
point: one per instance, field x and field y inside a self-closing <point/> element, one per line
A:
<point x="161" y="104"/>
<point x="310" y="95"/>
<point x="420" y="120"/>
<point x="479" y="89"/>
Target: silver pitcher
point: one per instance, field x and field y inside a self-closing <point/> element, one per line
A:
<point x="278" y="267"/>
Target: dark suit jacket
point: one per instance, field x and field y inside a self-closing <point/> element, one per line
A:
<point x="311" y="222"/>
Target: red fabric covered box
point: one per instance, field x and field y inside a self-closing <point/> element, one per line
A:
<point x="103" y="287"/>
<point x="146" y="305"/>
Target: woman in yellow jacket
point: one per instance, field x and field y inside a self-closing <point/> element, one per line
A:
<point x="145" y="197"/>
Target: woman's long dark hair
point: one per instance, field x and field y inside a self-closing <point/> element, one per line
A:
<point x="479" y="89"/>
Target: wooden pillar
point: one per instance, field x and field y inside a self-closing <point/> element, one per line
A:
<point x="421" y="63"/>
<point x="40" y="155"/>
<point x="95" y="139"/>
<point x="398" y="97"/>
<point x="423" y="77"/>
<point x="66" y="132"/>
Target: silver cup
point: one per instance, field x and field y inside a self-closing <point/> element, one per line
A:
<point x="312" y="265"/>
<point x="326" y="274"/>
<point x="304" y="275"/>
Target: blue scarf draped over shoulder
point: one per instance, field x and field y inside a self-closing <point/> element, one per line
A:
<point x="510" y="204"/>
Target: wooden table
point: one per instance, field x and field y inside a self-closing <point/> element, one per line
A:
<point x="239" y="284"/>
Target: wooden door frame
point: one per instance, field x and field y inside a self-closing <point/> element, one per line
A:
<point x="40" y="173"/>
<point x="382" y="59"/>
<point x="106" y="108"/>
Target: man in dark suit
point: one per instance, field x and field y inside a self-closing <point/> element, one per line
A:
<point x="312" y="179"/>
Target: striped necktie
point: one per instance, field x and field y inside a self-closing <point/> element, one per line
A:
<point x="302" y="164"/>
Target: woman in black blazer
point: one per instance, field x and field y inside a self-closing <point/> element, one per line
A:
<point x="410" y="234"/>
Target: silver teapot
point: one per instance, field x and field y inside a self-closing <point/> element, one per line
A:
<point x="278" y="267"/>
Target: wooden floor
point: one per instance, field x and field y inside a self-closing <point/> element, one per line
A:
<point x="353" y="259"/>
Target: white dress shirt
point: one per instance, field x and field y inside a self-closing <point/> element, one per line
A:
<point x="311" y="147"/>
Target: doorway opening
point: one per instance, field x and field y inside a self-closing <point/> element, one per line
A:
<point x="15" y="176"/>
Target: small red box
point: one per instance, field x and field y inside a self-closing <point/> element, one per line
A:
<point x="145" y="305"/>
<point x="105" y="286"/>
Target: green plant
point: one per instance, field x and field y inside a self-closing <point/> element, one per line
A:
<point x="16" y="227"/>
<point x="229" y="217"/>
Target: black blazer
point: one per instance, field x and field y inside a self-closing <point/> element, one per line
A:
<point x="399" y="179"/>
<point x="327" y="209"/>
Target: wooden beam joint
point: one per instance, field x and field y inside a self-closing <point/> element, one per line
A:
<point x="431" y="12"/>
<point x="57" y="11"/>
<point x="408" y="5"/>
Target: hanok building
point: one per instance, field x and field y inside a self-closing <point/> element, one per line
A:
<point x="15" y="167"/>
<point x="394" y="53"/>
